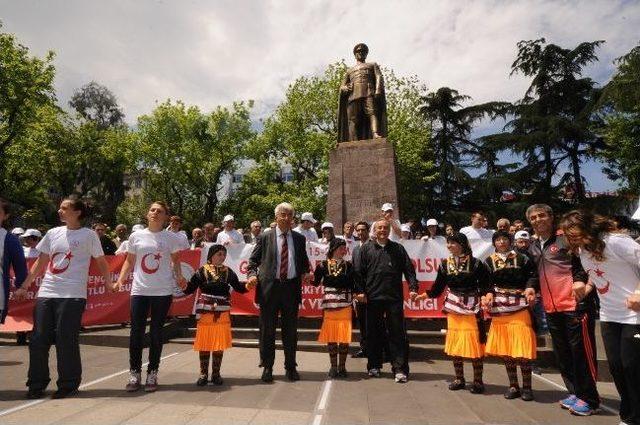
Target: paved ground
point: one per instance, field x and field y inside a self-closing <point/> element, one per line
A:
<point x="243" y="399"/>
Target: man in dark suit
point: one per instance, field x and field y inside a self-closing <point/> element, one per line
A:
<point x="277" y="267"/>
<point x="362" y="231"/>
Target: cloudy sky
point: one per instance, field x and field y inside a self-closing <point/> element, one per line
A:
<point x="214" y="52"/>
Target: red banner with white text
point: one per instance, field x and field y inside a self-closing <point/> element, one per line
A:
<point x="104" y="307"/>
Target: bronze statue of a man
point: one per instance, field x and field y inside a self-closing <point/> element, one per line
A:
<point x="362" y="112"/>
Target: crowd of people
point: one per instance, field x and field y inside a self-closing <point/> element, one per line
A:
<point x="559" y="274"/>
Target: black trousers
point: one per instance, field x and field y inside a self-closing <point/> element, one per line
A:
<point x="622" y="345"/>
<point x="383" y="317"/>
<point x="141" y="307"/>
<point x="283" y="299"/>
<point x="361" y="313"/>
<point x="573" y="338"/>
<point x="56" y="321"/>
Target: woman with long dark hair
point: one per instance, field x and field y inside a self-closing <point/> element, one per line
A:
<point x="152" y="253"/>
<point x="612" y="260"/>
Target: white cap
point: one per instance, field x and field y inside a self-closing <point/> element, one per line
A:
<point x="326" y="225"/>
<point x="137" y="228"/>
<point x="432" y="222"/>
<point x="17" y="231"/>
<point x="405" y="228"/>
<point x="228" y="217"/>
<point x="31" y="232"/>
<point x="522" y="234"/>
<point x="387" y="206"/>
<point x="307" y="216"/>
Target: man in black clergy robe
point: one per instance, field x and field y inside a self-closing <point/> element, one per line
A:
<point x="277" y="266"/>
<point x="381" y="263"/>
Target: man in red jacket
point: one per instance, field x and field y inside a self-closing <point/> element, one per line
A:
<point x="570" y="306"/>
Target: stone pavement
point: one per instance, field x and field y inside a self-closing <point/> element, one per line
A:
<point x="243" y="399"/>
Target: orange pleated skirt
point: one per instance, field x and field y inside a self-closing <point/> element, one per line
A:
<point x="463" y="338"/>
<point x="213" y="333"/>
<point x="512" y="335"/>
<point x="336" y="326"/>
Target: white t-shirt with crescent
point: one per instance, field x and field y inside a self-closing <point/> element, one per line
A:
<point x="615" y="278"/>
<point x="152" y="272"/>
<point x="70" y="253"/>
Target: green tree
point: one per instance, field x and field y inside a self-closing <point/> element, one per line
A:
<point x="26" y="87"/>
<point x="454" y="150"/>
<point x="303" y="130"/>
<point x="411" y="135"/>
<point x="98" y="104"/>
<point x="184" y="154"/>
<point x="621" y="132"/>
<point x="31" y="165"/>
<point x="553" y="123"/>
<point x="101" y="133"/>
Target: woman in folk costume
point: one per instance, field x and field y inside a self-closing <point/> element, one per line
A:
<point x="213" y="334"/>
<point x="467" y="280"/>
<point x="511" y="335"/>
<point x="337" y="276"/>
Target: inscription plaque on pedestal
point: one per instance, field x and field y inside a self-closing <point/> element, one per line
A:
<point x="362" y="176"/>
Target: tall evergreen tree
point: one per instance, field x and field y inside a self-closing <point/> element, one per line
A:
<point x="553" y="122"/>
<point x="100" y="126"/>
<point x="453" y="147"/>
<point x="621" y="101"/>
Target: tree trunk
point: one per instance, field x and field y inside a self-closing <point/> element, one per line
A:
<point x="577" y="176"/>
<point x="446" y="195"/>
<point x="210" y="205"/>
<point x="548" y="168"/>
<point x="116" y="193"/>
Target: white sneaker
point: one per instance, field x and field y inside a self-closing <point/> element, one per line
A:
<point x="152" y="381"/>
<point x="374" y="372"/>
<point x="134" y="381"/>
<point x="401" y="378"/>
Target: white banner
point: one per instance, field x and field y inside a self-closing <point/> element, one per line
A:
<point x="425" y="255"/>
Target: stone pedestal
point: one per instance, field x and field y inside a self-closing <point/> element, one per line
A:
<point x="362" y="177"/>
